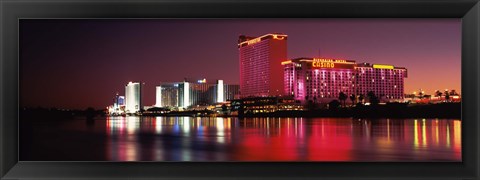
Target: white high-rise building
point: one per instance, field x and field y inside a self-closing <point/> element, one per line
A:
<point x="167" y="95"/>
<point x="194" y="93"/>
<point x="133" y="97"/>
<point x="158" y="97"/>
<point x="185" y="95"/>
<point x="220" y="92"/>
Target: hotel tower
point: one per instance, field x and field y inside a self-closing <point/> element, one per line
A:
<point x="260" y="59"/>
<point x="133" y="97"/>
<point x="192" y="93"/>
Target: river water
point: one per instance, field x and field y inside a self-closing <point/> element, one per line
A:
<point x="248" y="139"/>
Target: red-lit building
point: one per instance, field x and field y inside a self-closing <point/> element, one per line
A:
<point x="321" y="80"/>
<point x="260" y="64"/>
<point x="317" y="79"/>
<point x="385" y="81"/>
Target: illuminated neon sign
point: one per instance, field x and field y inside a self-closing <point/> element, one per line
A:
<point x="258" y="39"/>
<point x="278" y="37"/>
<point x="381" y="66"/>
<point x="329" y="63"/>
<point x="253" y="41"/>
<point x="286" y="62"/>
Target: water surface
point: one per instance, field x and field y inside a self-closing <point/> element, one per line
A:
<point x="248" y="139"/>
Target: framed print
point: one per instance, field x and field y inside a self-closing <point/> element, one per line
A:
<point x="223" y="89"/>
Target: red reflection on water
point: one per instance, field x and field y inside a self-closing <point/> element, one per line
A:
<point x="268" y="139"/>
<point x="330" y="140"/>
<point x="281" y="139"/>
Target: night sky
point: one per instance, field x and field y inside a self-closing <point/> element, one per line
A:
<point x="83" y="63"/>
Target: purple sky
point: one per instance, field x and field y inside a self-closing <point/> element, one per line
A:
<point x="82" y="63"/>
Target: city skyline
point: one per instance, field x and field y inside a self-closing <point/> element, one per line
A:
<point x="72" y="53"/>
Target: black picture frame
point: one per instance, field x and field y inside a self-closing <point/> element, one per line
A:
<point x="11" y="11"/>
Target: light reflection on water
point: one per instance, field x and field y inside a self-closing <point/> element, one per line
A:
<point x="281" y="139"/>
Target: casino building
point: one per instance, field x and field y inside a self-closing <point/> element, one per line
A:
<point x="321" y="80"/>
<point x="260" y="68"/>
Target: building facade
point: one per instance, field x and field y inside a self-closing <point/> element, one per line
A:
<point x="322" y="80"/>
<point x="260" y="68"/>
<point x="166" y="95"/>
<point x="199" y="93"/>
<point x="133" y="97"/>
<point x="118" y="101"/>
<point x="385" y="81"/>
<point x="195" y="93"/>
<point x="318" y="79"/>
<point x="231" y="91"/>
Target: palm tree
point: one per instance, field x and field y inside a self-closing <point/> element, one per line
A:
<point x="420" y="94"/>
<point x="372" y="98"/>
<point x="333" y="105"/>
<point x="447" y="96"/>
<point x="342" y="97"/>
<point x="438" y="94"/>
<point x="360" y="98"/>
<point x="453" y="92"/>
<point x="352" y="98"/>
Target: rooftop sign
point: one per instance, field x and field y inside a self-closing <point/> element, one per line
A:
<point x="332" y="63"/>
<point x="258" y="39"/>
<point x="382" y="66"/>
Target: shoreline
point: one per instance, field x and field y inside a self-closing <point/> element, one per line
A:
<point x="445" y="110"/>
<point x="441" y="111"/>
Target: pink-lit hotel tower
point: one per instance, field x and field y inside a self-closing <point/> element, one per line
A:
<point x="261" y="71"/>
<point x="266" y="71"/>
<point x="318" y="79"/>
<point x="322" y="80"/>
